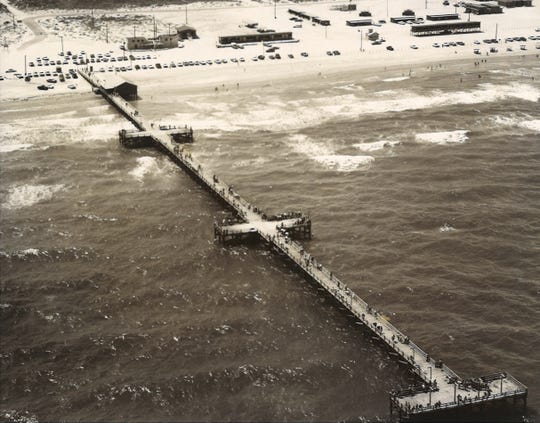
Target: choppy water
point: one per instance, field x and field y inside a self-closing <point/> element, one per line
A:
<point x="116" y="304"/>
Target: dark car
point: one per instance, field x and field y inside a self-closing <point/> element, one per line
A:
<point x="336" y="52"/>
<point x="390" y="48"/>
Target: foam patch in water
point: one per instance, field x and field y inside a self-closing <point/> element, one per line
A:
<point x="533" y="125"/>
<point x="145" y="165"/>
<point x="375" y="145"/>
<point x="451" y="137"/>
<point x="14" y="147"/>
<point x="325" y="156"/>
<point x="28" y="195"/>
<point x="396" y="79"/>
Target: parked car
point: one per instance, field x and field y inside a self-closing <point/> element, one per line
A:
<point x="390" y="48"/>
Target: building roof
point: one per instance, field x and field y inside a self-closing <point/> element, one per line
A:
<point x="185" y="28"/>
<point x="112" y="81"/>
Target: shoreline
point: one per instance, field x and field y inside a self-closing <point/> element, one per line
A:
<point x="305" y="75"/>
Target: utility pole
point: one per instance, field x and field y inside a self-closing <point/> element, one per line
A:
<point x="134" y="31"/>
<point x="155" y="27"/>
<point x="26" y="74"/>
<point x="107" y="33"/>
<point x="361" y="41"/>
<point x="62" y="43"/>
<point x="275" y="3"/>
<point x="387" y="14"/>
<point x="496" y="30"/>
<point x="169" y="29"/>
<point x="186" y="15"/>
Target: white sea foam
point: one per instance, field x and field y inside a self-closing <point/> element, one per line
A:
<point x="446" y="228"/>
<point x="28" y="195"/>
<point x="375" y="145"/>
<point x="256" y="162"/>
<point x="326" y="156"/>
<point x="397" y="78"/>
<point x="450" y="137"/>
<point x="533" y="125"/>
<point x="14" y="147"/>
<point x="344" y="163"/>
<point x="145" y="165"/>
<point x="261" y="112"/>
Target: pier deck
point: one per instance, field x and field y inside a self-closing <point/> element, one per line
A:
<point x="441" y="388"/>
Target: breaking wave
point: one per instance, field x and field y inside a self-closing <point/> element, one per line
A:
<point x="28" y="195"/>
<point x="450" y="137"/>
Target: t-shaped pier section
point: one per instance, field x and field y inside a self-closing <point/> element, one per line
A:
<point x="439" y="388"/>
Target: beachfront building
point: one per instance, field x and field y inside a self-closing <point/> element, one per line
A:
<point x="482" y="8"/>
<point x="398" y="19"/>
<point x="445" y="28"/>
<point x="515" y="3"/>
<point x="161" y="41"/>
<point x="359" y="22"/>
<point x="186" y="32"/>
<point x="304" y="15"/>
<point x="443" y="17"/>
<point x="256" y="37"/>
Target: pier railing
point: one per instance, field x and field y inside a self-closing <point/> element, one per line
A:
<point x="433" y="372"/>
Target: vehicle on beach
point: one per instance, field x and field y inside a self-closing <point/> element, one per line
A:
<point x="304" y="54"/>
<point x="436" y="45"/>
<point x="329" y="53"/>
<point x="291" y="56"/>
<point x="42" y="87"/>
<point x="71" y="87"/>
<point x="414" y="47"/>
<point x="389" y="48"/>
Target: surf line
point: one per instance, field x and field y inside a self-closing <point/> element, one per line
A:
<point x="439" y="388"/>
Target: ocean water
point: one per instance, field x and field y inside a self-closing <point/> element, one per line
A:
<point x="116" y="303"/>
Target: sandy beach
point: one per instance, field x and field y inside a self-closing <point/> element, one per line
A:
<point x="357" y="54"/>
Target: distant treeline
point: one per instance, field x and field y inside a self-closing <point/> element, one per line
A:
<point x="94" y="4"/>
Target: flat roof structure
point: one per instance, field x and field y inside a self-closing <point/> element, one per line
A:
<point x="443" y="17"/>
<point x="515" y="3"/>
<point x="359" y="22"/>
<point x="255" y="37"/>
<point x="445" y="28"/>
<point x="398" y="19"/>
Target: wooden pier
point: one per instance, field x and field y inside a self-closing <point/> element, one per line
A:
<point x="439" y="387"/>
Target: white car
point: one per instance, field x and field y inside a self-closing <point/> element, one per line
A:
<point x="414" y="47"/>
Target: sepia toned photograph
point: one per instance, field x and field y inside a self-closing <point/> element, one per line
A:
<point x="270" y="211"/>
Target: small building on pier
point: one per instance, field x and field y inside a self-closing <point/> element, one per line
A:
<point x="124" y="88"/>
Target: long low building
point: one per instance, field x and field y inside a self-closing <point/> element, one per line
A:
<point x="359" y="22"/>
<point x="445" y="28"/>
<point x="256" y="37"/>
<point x="443" y="17"/>
<point x="482" y="8"/>
<point x="515" y="3"/>
<point x="143" y="43"/>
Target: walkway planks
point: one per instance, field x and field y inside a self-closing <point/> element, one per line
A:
<point x="441" y="387"/>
